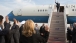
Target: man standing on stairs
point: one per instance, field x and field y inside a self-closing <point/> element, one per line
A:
<point x="57" y="5"/>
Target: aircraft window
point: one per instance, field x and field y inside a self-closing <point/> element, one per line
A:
<point x="72" y="9"/>
<point x="45" y="10"/>
<point x="40" y="10"/>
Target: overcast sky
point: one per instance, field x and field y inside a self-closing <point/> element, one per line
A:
<point x="8" y="5"/>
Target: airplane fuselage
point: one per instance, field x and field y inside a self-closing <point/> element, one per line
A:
<point x="39" y="13"/>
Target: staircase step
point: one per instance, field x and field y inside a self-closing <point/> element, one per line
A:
<point x="57" y="28"/>
<point x="57" y="17"/>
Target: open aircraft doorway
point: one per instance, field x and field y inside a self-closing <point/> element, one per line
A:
<point x="61" y="9"/>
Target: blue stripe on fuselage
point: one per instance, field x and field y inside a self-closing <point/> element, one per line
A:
<point x="71" y="19"/>
<point x="38" y="19"/>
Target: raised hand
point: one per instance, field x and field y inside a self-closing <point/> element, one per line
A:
<point x="7" y="19"/>
<point x="16" y="22"/>
<point x="47" y="28"/>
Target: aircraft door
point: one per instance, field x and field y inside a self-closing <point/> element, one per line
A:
<point x="61" y="9"/>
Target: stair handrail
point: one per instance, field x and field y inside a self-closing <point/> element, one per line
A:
<point x="65" y="21"/>
<point x="50" y="14"/>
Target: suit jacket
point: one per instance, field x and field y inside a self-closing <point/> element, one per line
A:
<point x="57" y="4"/>
<point x="74" y="34"/>
<point x="42" y="29"/>
<point x="15" y="29"/>
<point x="4" y="32"/>
<point x="69" y="33"/>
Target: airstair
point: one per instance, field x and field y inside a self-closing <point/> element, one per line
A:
<point x="57" y="27"/>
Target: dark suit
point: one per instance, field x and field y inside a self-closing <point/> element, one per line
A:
<point x="58" y="6"/>
<point x="69" y="35"/>
<point x="20" y="30"/>
<point x="42" y="30"/>
<point x="7" y="37"/>
<point x="45" y="33"/>
<point x="4" y="32"/>
<point x="15" y="33"/>
<point x="74" y="35"/>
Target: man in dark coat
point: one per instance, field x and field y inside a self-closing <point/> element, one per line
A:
<point x="74" y="33"/>
<point x="15" y="31"/>
<point x="4" y="31"/>
<point x="42" y="30"/>
<point x="7" y="36"/>
<point x="69" y="34"/>
<point x="57" y="5"/>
